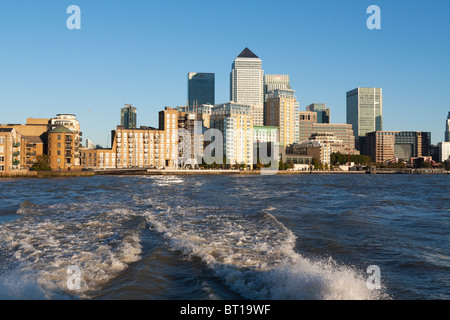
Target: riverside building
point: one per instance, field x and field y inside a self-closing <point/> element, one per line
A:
<point x="234" y="120"/>
<point x="385" y="146"/>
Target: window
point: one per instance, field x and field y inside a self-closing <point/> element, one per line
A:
<point x="2" y="168"/>
<point x="2" y="140"/>
<point x="59" y="137"/>
<point x="2" y="149"/>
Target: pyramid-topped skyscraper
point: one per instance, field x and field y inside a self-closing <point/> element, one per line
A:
<point x="247" y="83"/>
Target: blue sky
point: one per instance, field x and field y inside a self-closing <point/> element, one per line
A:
<point x="140" y="52"/>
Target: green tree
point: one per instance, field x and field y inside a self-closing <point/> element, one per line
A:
<point x="42" y="164"/>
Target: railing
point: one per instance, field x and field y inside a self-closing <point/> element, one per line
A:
<point x="17" y="144"/>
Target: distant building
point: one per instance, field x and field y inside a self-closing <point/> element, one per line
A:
<point x="383" y="146"/>
<point x="318" y="150"/>
<point x="275" y="81"/>
<point x="444" y="151"/>
<point x="364" y="113"/>
<point x="282" y="110"/>
<point x="308" y="126"/>
<point x="247" y="79"/>
<point x="447" y="128"/>
<point x="323" y="113"/>
<point x="128" y="118"/>
<point x="201" y="88"/>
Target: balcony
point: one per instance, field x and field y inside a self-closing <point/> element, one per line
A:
<point x="16" y="145"/>
<point x="16" y="162"/>
<point x="16" y="154"/>
<point x="68" y="155"/>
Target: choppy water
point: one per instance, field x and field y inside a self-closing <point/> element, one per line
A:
<point x="226" y="237"/>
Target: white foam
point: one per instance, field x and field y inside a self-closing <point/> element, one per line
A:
<point x="100" y="245"/>
<point x="256" y="257"/>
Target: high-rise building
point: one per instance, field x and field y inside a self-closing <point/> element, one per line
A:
<point x="447" y="129"/>
<point x="323" y="113"/>
<point x="201" y="88"/>
<point x="444" y="151"/>
<point x="235" y="122"/>
<point x="275" y="81"/>
<point x="247" y="79"/>
<point x="128" y="117"/>
<point x="364" y="112"/>
<point x="282" y="110"/>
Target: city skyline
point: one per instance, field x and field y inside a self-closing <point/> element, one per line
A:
<point x="73" y="73"/>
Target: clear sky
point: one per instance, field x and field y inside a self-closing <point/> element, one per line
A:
<point x="140" y="51"/>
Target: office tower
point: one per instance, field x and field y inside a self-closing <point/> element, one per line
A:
<point x="447" y="129"/>
<point x="323" y="113"/>
<point x="247" y="79"/>
<point x="364" y="113"/>
<point x="128" y="117"/>
<point x="201" y="88"/>
<point x="234" y="120"/>
<point x="275" y="81"/>
<point x="282" y="111"/>
<point x="443" y="151"/>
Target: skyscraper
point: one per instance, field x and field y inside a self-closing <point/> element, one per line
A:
<point x="364" y="112"/>
<point x="275" y="81"/>
<point x="128" y="117"/>
<point x="323" y="113"/>
<point x="282" y="111"/>
<point x="247" y="79"/>
<point x="447" y="128"/>
<point x="201" y="88"/>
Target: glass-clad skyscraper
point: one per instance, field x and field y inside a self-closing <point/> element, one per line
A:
<point x="323" y="113"/>
<point x="201" y="88"/>
<point x="447" y="129"/>
<point x="128" y="117"/>
<point x="364" y="112"/>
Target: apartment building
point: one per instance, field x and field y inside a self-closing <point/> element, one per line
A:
<point x="234" y="120"/>
<point x="12" y="152"/>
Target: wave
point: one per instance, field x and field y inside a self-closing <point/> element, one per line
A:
<point x="48" y="239"/>
<point x="254" y="254"/>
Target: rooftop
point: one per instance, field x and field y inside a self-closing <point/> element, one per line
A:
<point x="247" y="53"/>
<point x="60" y="129"/>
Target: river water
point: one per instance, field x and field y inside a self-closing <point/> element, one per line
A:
<point x="206" y="237"/>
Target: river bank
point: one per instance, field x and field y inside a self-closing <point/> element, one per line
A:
<point x="141" y="171"/>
